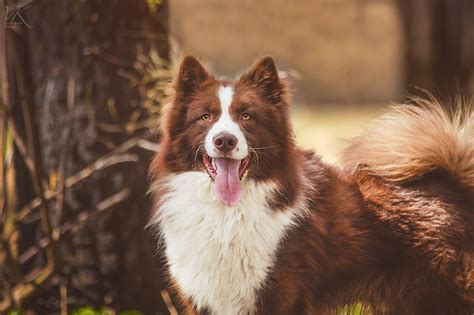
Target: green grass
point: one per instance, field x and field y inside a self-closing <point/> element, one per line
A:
<point x="103" y="311"/>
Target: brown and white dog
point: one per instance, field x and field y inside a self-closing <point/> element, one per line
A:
<point x="251" y="224"/>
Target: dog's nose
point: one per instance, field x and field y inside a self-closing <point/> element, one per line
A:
<point x="225" y="142"/>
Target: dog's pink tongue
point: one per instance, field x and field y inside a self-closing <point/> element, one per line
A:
<point x="227" y="181"/>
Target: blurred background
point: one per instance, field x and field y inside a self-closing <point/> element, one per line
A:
<point x="82" y="83"/>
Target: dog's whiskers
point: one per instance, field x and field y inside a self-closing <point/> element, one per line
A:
<point x="267" y="147"/>
<point x="198" y="150"/>
<point x="256" y="155"/>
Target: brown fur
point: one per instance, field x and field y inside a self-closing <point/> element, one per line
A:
<point x="395" y="233"/>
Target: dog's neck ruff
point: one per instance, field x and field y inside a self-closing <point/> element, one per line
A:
<point x="219" y="256"/>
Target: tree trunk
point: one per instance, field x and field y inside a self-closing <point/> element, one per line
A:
<point x="439" y="45"/>
<point x="80" y="57"/>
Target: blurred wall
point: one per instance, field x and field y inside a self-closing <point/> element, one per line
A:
<point x="344" y="50"/>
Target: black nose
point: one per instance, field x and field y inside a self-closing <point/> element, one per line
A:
<point x="225" y="142"/>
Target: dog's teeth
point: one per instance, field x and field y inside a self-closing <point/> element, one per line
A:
<point x="213" y="163"/>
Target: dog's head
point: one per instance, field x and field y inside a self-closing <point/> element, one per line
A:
<point x="233" y="130"/>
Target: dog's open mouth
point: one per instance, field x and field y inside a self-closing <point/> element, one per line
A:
<point x="226" y="174"/>
<point x="224" y="165"/>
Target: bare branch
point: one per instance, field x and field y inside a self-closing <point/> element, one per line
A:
<point x="5" y="99"/>
<point x="71" y="91"/>
<point x="63" y="298"/>
<point x="3" y="58"/>
<point x="148" y="145"/>
<point x="81" y="219"/>
<point x="75" y="179"/>
<point x="38" y="278"/>
<point x="110" y="159"/>
<point x="33" y="147"/>
<point x="2" y="166"/>
<point x="5" y="303"/>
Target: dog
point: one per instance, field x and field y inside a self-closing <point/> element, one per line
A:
<point x="252" y="224"/>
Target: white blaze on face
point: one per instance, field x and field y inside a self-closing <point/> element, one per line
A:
<point x="225" y="124"/>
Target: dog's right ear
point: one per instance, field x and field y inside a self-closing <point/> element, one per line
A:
<point x="264" y="76"/>
<point x="190" y="77"/>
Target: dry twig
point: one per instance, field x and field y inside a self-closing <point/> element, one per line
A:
<point x="114" y="157"/>
<point x="82" y="219"/>
<point x="37" y="278"/>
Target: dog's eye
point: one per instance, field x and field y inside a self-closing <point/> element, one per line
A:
<point x="205" y="117"/>
<point x="246" y="116"/>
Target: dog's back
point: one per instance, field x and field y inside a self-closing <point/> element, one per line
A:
<point x="415" y="170"/>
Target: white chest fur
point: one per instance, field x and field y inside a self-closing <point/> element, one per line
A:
<point x="219" y="256"/>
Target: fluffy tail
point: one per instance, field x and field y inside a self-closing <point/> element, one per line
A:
<point x="415" y="138"/>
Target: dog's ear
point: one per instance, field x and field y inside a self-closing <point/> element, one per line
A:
<point x="264" y="76"/>
<point x="190" y="77"/>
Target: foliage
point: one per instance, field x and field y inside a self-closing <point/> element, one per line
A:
<point x="103" y="311"/>
<point x="356" y="309"/>
<point x="153" y="4"/>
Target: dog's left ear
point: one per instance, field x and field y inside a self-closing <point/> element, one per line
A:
<point x="264" y="76"/>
